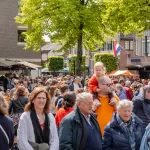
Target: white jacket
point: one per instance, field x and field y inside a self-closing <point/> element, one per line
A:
<point x="26" y="133"/>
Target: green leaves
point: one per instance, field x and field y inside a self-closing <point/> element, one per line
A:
<point x="127" y="16"/>
<point x="109" y="61"/>
<point x="55" y="63"/>
<point x="72" y="64"/>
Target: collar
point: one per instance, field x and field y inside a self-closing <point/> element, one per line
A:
<point x="86" y="117"/>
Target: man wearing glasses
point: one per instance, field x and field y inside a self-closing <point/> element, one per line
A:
<point x="108" y="105"/>
<point x="79" y="130"/>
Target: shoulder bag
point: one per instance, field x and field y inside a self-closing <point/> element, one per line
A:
<point x="42" y="146"/>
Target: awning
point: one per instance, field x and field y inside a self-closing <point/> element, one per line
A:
<point x="30" y="65"/>
<point x="122" y="72"/>
<point x="134" y="67"/>
<point x="15" y="64"/>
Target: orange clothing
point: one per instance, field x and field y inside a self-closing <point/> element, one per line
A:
<point x="7" y="98"/>
<point x="93" y="83"/>
<point x="61" y="113"/>
<point x="105" y="112"/>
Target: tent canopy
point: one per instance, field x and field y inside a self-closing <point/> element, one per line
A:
<point x="16" y="64"/>
<point x="122" y="72"/>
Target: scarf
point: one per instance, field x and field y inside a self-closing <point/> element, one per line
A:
<point x="41" y="136"/>
<point x="128" y="128"/>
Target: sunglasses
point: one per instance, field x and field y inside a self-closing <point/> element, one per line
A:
<point x="109" y="84"/>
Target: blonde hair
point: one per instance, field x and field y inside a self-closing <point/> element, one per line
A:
<point x="100" y="64"/>
<point x="3" y="105"/>
<point x="124" y="103"/>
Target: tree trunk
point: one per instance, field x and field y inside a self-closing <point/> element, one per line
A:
<point x="78" y="62"/>
<point x="79" y="48"/>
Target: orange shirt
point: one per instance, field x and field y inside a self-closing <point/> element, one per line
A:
<point x="61" y="113"/>
<point x="105" y="112"/>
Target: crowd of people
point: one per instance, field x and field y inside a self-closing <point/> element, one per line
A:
<point x="75" y="113"/>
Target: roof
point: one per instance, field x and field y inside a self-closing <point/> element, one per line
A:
<point x="137" y="67"/>
<point x="134" y="67"/>
<point x="51" y="49"/>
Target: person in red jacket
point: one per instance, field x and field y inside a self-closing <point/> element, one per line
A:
<point x="99" y="71"/>
<point x="68" y="104"/>
<point x="129" y="92"/>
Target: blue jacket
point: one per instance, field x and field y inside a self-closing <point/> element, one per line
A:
<point x="115" y="138"/>
<point x="7" y="125"/>
<point x="122" y="95"/>
<point x="144" y="143"/>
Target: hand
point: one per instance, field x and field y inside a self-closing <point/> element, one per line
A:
<point x="98" y="90"/>
<point x="113" y="101"/>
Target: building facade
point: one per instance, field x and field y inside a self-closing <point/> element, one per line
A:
<point x="11" y="41"/>
<point x="136" y="51"/>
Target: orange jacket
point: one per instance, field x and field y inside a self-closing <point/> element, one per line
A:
<point x="93" y="84"/>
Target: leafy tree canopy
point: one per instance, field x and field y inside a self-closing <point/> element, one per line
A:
<point x="127" y="16"/>
<point x="61" y="20"/>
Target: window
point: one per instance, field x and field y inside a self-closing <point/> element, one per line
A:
<point x="21" y="37"/>
<point x="128" y="45"/>
<point x="143" y="46"/>
<point x="108" y="46"/>
<point x="19" y="5"/>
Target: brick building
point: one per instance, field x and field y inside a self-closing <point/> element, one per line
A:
<point x="11" y="40"/>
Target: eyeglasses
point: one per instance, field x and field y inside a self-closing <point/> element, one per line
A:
<point x="108" y="84"/>
<point x="88" y="104"/>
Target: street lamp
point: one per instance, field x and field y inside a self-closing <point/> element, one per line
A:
<point x="44" y="56"/>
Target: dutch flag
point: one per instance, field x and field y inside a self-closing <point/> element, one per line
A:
<point x="117" y="49"/>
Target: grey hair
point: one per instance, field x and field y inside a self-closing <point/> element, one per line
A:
<point x="119" y="86"/>
<point x="83" y="96"/>
<point x="124" y="103"/>
<point x="128" y="83"/>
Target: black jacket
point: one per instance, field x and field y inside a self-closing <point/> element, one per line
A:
<point x="142" y="109"/>
<point x="73" y="134"/>
<point x="17" y="106"/>
<point x="116" y="139"/>
<point x="7" y="125"/>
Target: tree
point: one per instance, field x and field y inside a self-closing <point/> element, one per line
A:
<point x="81" y="23"/>
<point x="69" y="22"/>
<point x="127" y="16"/>
<point x="55" y="63"/>
<point x="109" y="61"/>
<point x="72" y="64"/>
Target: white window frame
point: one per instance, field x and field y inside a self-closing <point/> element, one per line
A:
<point x="143" y="46"/>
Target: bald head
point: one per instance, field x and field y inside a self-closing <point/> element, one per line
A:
<point x="105" y="84"/>
<point x="104" y="79"/>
